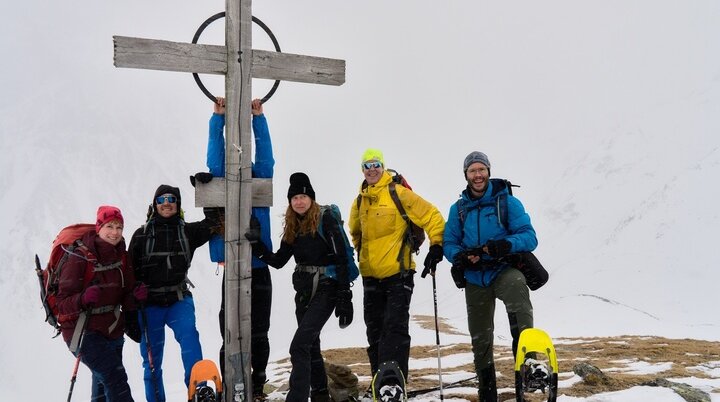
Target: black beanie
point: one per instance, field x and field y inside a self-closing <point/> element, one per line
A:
<point x="300" y="184"/>
<point x="166" y="189"/>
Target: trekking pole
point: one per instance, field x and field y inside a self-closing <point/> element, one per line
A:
<point x="77" y="359"/>
<point x="74" y="377"/>
<point x="437" y="336"/>
<point x="153" y="375"/>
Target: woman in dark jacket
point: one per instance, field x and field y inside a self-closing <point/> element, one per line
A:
<point x="91" y="314"/>
<point x="319" y="290"/>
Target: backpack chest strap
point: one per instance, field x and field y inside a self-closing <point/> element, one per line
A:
<point x="102" y="268"/>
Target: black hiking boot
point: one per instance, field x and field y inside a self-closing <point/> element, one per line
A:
<point x="487" y="388"/>
<point x="259" y="381"/>
<point x="320" y="396"/>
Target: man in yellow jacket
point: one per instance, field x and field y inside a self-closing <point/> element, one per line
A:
<point x="379" y="233"/>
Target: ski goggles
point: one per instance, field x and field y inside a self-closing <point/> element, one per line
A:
<point x="371" y="165"/>
<point x="169" y="198"/>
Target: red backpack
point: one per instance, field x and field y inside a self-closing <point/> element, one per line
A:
<point x="66" y="243"/>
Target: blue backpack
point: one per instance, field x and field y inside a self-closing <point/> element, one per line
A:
<point x="331" y="270"/>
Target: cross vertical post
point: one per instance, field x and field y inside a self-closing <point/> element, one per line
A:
<point x="238" y="192"/>
<point x="238" y="195"/>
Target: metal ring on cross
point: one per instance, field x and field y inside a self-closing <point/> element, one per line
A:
<point x="261" y="25"/>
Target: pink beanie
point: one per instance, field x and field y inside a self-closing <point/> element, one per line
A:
<point x="107" y="213"/>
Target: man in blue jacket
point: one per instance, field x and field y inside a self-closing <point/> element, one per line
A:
<point x="262" y="167"/>
<point x="484" y="226"/>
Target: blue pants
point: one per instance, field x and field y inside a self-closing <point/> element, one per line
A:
<point x="180" y="317"/>
<point x="103" y="357"/>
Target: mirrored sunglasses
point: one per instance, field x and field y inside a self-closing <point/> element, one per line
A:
<point x="169" y="198"/>
<point x="371" y="165"/>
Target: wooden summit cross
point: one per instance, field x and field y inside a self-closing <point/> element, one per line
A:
<point x="239" y="63"/>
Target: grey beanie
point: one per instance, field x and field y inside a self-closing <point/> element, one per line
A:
<point x="475" y="157"/>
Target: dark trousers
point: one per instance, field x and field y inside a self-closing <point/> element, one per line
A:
<point x="260" y="304"/>
<point x="386" y="309"/>
<point x="311" y="312"/>
<point x="104" y="359"/>
<point x="510" y="288"/>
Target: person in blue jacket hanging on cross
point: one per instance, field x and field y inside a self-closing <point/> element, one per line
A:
<point x="262" y="167"/>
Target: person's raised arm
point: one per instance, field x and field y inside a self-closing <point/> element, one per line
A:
<point x="216" y="141"/>
<point x="264" y="164"/>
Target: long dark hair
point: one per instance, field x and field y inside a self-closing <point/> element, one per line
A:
<point x="296" y="225"/>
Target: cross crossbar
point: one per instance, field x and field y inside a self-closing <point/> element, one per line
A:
<point x="212" y="194"/>
<point x="154" y="54"/>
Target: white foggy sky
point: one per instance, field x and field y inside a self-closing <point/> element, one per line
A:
<point x="606" y="112"/>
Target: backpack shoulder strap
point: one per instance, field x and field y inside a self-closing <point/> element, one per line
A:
<point x="323" y="210"/>
<point x="396" y="201"/>
<point x="501" y="207"/>
<point x="184" y="242"/>
<point x="149" y="232"/>
<point x="79" y="249"/>
<point x="358" y="200"/>
<point x="408" y="229"/>
<point x="462" y="214"/>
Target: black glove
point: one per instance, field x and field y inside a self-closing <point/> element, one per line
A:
<point x="203" y="177"/>
<point x="216" y="219"/>
<point x="132" y="327"/>
<point x="458" y="276"/>
<point x="434" y="256"/>
<point x="253" y="232"/>
<point x="344" y="306"/>
<point x="498" y="248"/>
<point x="463" y="260"/>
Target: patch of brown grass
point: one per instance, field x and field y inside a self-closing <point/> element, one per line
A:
<point x="604" y="353"/>
<point x="428" y="322"/>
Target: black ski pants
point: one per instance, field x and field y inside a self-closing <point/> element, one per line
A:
<point x="311" y="312"/>
<point x="386" y="309"/>
<point x="261" y="302"/>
